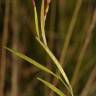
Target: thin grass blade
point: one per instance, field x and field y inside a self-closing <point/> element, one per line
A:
<point x="36" y="19"/>
<point x="53" y="88"/>
<point x="56" y="62"/>
<point x="43" y="22"/>
<point x="36" y="64"/>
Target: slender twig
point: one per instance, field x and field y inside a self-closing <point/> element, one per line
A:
<point x="83" y="50"/>
<point x="43" y="22"/>
<point x="4" y="43"/>
<point x="15" y="29"/>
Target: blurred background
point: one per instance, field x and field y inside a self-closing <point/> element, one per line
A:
<point x="71" y="36"/>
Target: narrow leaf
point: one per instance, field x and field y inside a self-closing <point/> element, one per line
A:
<point x="47" y="8"/>
<point x="56" y="62"/>
<point x="43" y="22"/>
<point x="42" y="15"/>
<point x="38" y="65"/>
<point x="36" y="19"/>
<point x="53" y="88"/>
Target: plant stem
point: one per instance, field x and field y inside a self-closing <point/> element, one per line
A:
<point x="4" y="43"/>
<point x="15" y="29"/>
<point x="50" y="41"/>
<point x="68" y="37"/>
<point x="70" y="31"/>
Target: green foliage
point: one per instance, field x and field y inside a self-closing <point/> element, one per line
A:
<point x="45" y="47"/>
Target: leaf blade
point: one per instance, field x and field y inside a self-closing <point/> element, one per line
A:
<point x="56" y="90"/>
<point x="42" y="15"/>
<point x="56" y="62"/>
<point x="35" y="63"/>
<point x="36" y="20"/>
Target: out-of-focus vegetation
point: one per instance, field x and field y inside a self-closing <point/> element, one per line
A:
<point x="70" y="31"/>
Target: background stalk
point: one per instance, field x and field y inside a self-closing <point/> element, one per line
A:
<point x="15" y="29"/>
<point x="4" y="43"/>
